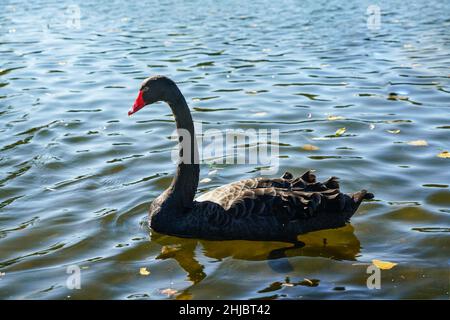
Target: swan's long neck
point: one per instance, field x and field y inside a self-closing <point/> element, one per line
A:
<point x="184" y="185"/>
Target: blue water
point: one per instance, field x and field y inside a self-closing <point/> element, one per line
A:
<point x="77" y="175"/>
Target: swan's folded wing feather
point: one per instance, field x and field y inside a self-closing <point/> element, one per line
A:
<point x="284" y="205"/>
<point x="240" y="202"/>
<point x="274" y="198"/>
<point x="227" y="194"/>
<point x="253" y="212"/>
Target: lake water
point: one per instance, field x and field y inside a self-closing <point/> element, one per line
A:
<point x="77" y="174"/>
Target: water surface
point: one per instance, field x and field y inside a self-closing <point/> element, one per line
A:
<point x="77" y="175"/>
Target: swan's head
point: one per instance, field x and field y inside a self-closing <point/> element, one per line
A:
<point x="153" y="89"/>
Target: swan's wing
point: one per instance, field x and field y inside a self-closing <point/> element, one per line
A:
<point x="263" y="208"/>
<point x="260" y="213"/>
<point x="262" y="196"/>
<point x="226" y="195"/>
<point x="285" y="205"/>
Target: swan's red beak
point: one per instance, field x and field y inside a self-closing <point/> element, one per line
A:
<point x="138" y="104"/>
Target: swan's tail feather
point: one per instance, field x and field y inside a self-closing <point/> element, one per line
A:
<point x="355" y="200"/>
<point x="309" y="177"/>
<point x="359" y="196"/>
<point x="287" y="175"/>
<point x="332" y="183"/>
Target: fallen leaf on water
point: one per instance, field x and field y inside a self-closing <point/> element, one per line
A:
<point x="308" y="282"/>
<point x="418" y="143"/>
<point x="205" y="180"/>
<point x="340" y="132"/>
<point x="444" y="154"/>
<point x="171" y="248"/>
<point x="396" y="131"/>
<point x="383" y="265"/>
<point x="272" y="287"/>
<point x="169" y="292"/>
<point x="287" y="284"/>
<point x="332" y="118"/>
<point x="309" y="147"/>
<point x="144" y="271"/>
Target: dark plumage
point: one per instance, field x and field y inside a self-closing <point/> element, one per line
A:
<point x="276" y="209"/>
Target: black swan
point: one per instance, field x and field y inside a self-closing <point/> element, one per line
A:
<point x="261" y="208"/>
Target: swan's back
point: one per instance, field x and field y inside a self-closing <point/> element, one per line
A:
<point x="230" y="193"/>
<point x="280" y="208"/>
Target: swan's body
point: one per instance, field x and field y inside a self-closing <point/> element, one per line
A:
<point x="254" y="209"/>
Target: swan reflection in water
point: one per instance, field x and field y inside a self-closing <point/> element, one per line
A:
<point x="337" y="244"/>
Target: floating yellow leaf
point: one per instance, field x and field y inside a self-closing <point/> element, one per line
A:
<point x="287" y="284"/>
<point x="383" y="265"/>
<point x="396" y="131"/>
<point x="144" y="271"/>
<point x="168" y="251"/>
<point x="444" y="154"/>
<point x="340" y="132"/>
<point x="169" y="292"/>
<point x="308" y="282"/>
<point x="310" y="147"/>
<point x="418" y="143"/>
<point x="332" y="118"/>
